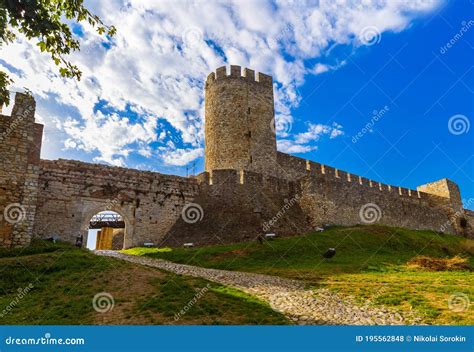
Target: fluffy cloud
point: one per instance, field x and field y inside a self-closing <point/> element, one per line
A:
<point x="306" y="141"/>
<point x="155" y="67"/>
<point x="181" y="157"/>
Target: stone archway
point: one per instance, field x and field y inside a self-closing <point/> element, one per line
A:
<point x="126" y="213"/>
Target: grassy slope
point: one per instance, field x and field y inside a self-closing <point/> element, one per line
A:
<point x="66" y="279"/>
<point x="369" y="264"/>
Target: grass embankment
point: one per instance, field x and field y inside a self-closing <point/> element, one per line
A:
<point x="370" y="264"/>
<point x="55" y="284"/>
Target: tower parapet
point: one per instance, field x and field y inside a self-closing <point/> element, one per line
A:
<point x="20" y="145"/>
<point x="239" y="128"/>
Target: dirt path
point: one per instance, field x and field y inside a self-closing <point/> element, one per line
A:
<point x="303" y="306"/>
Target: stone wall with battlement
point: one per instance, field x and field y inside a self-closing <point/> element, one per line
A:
<point x="20" y="145"/>
<point x="71" y="192"/>
<point x="232" y="205"/>
<point x="239" y="205"/>
<point x="333" y="196"/>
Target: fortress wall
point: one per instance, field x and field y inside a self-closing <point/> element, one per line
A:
<point x="239" y="207"/>
<point x="71" y="192"/>
<point x="332" y="196"/>
<point x="20" y="145"/>
<point x="339" y="202"/>
<point x="469" y="214"/>
<point x="291" y="167"/>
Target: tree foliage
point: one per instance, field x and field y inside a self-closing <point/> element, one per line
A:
<point x="49" y="22"/>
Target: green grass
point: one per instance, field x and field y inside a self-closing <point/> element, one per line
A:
<point x="37" y="247"/>
<point x="370" y="264"/>
<point x="215" y="304"/>
<point x="60" y="281"/>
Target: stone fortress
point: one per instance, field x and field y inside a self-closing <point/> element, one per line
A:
<point x="248" y="188"/>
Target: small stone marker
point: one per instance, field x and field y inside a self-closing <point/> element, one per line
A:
<point x="331" y="252"/>
<point x="148" y="244"/>
<point x="188" y="245"/>
<point x="270" y="236"/>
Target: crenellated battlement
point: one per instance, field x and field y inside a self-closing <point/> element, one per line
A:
<point x="236" y="72"/>
<point x="296" y="168"/>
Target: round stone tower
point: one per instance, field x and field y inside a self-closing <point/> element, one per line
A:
<point x="240" y="124"/>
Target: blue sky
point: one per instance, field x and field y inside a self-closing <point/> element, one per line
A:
<point x="423" y="88"/>
<point x="335" y="63"/>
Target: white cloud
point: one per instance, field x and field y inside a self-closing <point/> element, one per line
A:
<point x="162" y="53"/>
<point x="288" y="146"/>
<point x="181" y="157"/>
<point x="305" y="142"/>
<point x="320" y="68"/>
<point x="111" y="135"/>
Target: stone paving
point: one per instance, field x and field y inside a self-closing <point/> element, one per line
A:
<point x="303" y="306"/>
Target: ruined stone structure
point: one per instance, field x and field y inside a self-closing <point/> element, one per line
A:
<point x="247" y="188"/>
